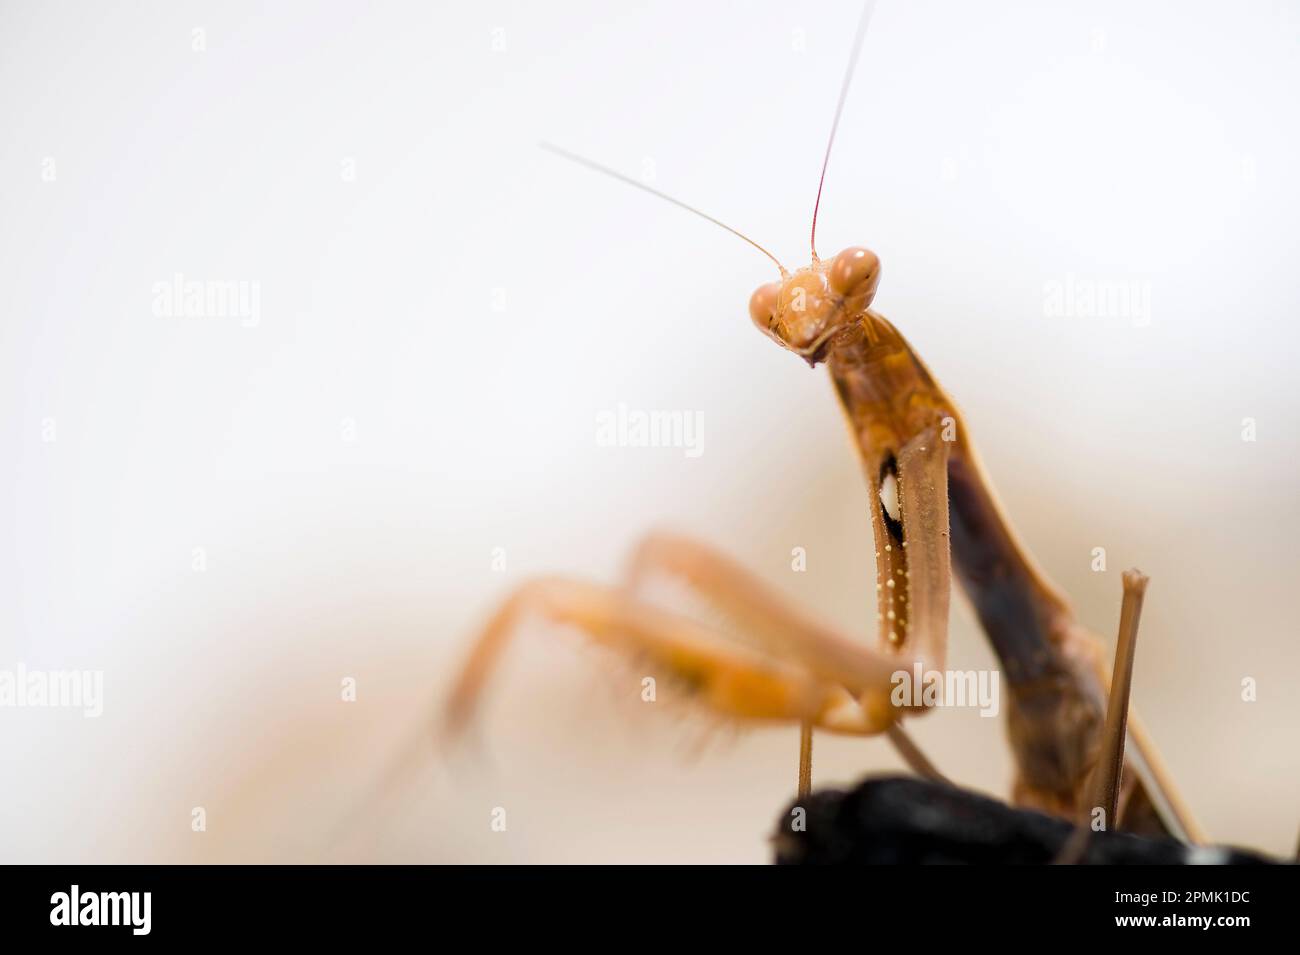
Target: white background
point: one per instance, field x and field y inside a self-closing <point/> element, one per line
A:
<point x="987" y="149"/>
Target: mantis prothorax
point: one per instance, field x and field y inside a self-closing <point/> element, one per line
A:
<point x="933" y="510"/>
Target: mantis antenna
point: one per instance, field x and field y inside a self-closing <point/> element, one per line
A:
<point x="583" y="161"/>
<point x="867" y="10"/>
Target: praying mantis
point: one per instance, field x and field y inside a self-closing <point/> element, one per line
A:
<point x="933" y="512"/>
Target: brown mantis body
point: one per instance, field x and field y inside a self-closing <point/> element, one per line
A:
<point x="933" y="510"/>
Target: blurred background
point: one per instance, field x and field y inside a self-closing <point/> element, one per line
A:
<point x="231" y="514"/>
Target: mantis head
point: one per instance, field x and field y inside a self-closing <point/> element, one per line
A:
<point x="806" y="310"/>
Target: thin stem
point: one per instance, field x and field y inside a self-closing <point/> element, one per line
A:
<point x="1162" y="782"/>
<point x="1110" y="765"/>
<point x="805" y="760"/>
<point x="912" y="755"/>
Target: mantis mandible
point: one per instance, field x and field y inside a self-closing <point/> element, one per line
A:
<point x="933" y="511"/>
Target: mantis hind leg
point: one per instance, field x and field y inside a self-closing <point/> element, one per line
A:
<point x="731" y="678"/>
<point x="778" y="664"/>
<point x="776" y="623"/>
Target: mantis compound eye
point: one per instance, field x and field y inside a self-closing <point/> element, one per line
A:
<point x="762" y="305"/>
<point x="855" y="272"/>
